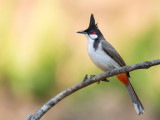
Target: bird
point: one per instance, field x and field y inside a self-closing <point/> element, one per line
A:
<point x="106" y="58"/>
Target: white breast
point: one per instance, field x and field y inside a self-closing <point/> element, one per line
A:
<point x="99" y="57"/>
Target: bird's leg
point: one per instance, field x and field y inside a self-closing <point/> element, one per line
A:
<point x="110" y="70"/>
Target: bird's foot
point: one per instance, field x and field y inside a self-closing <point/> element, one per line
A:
<point x="86" y="77"/>
<point x="105" y="80"/>
<point x="91" y="76"/>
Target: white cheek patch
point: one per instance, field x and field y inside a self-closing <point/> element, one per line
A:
<point x="93" y="36"/>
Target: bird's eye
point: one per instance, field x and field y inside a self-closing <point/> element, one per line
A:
<point x="93" y="33"/>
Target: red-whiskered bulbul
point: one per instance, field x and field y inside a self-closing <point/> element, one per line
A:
<point x="105" y="57"/>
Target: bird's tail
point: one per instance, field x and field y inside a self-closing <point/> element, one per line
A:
<point x="136" y="102"/>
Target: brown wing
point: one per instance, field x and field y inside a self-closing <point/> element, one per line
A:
<point x="108" y="48"/>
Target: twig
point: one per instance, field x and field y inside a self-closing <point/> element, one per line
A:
<point x="88" y="81"/>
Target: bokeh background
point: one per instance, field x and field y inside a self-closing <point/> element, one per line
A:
<point x="41" y="54"/>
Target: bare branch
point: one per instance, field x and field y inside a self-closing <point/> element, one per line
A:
<point x="88" y="81"/>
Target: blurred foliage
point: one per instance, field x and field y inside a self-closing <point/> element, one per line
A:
<point x="41" y="54"/>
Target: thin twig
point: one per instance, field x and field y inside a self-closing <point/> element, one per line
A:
<point x="88" y="81"/>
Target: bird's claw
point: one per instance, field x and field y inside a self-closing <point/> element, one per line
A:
<point x="105" y="80"/>
<point x="91" y="76"/>
<point x="86" y="77"/>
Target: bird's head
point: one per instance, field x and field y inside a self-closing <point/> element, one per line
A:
<point x="92" y="31"/>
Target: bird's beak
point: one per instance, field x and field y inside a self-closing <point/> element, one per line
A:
<point x="82" y="32"/>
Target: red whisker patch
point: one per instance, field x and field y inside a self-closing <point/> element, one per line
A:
<point x="93" y="33"/>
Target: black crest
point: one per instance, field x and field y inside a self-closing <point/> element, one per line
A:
<point x="92" y="24"/>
